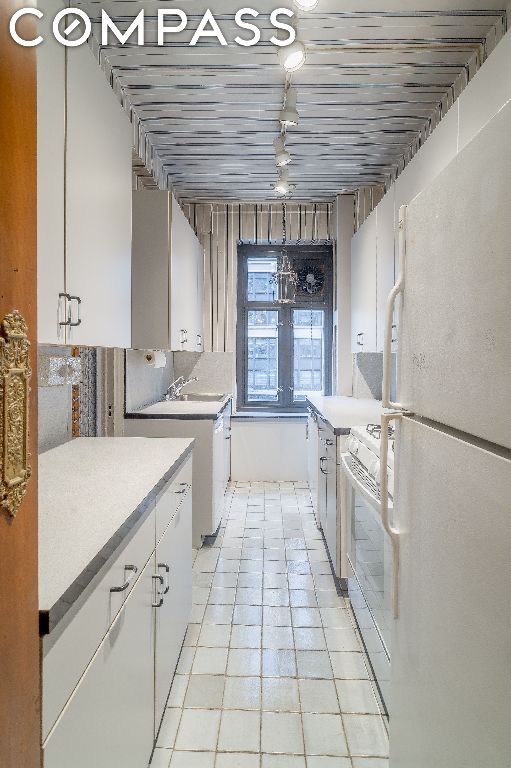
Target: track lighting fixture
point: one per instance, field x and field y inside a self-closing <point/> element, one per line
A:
<point x="289" y="115"/>
<point x="282" y="185"/>
<point x="306" y="5"/>
<point x="282" y="156"/>
<point x="293" y="56"/>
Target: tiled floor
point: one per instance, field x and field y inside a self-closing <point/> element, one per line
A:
<point x="272" y="673"/>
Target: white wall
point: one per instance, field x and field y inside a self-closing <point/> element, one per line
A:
<point x="344" y="211"/>
<point x="268" y="449"/>
<point x="483" y="97"/>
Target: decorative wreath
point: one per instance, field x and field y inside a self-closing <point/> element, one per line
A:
<point x="311" y="279"/>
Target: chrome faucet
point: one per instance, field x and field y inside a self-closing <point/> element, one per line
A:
<point x="174" y="389"/>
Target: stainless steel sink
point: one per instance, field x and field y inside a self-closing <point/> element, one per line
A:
<point x="192" y="397"/>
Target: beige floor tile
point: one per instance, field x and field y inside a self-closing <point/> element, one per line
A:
<point x="366" y="735"/>
<point x="169" y="726"/>
<point x="244" y="662"/>
<point x="282" y="732"/>
<point x="348" y="666"/>
<point x="198" y="730"/>
<point x="210" y="661"/>
<point x="324" y="735"/>
<point x="318" y="696"/>
<point x="239" y="731"/>
<point x="280" y="694"/>
<point x="357" y="696"/>
<point x="192" y="760"/>
<point x="245" y="636"/>
<point x="236" y="760"/>
<point x="282" y="761"/>
<point x="205" y="691"/>
<point x="242" y="693"/>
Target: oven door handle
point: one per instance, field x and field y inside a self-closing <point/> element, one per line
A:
<point x="392" y="532"/>
<point x="359" y="487"/>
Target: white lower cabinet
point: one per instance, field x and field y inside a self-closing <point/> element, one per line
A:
<point x="113" y="714"/>
<point x="173" y="593"/>
<point x="313" y="459"/>
<point x="109" y="719"/>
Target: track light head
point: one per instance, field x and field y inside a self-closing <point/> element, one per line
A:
<point x="282" y="186"/>
<point x="282" y="156"/>
<point x="306" y="5"/>
<point x="289" y="115"/>
<point x="293" y="56"/>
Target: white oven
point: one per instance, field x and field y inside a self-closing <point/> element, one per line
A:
<point x="369" y="556"/>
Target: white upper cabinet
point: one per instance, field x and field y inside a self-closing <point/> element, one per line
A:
<point x="384" y="262"/>
<point x="98" y="192"/>
<point x="168" y="276"/>
<point x="84" y="201"/>
<point x="363" y="287"/>
<point x="51" y="111"/>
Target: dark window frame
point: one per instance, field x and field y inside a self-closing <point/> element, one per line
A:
<point x="285" y="404"/>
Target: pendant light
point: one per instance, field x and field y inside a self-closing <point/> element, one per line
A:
<point x="282" y="156"/>
<point x="289" y="114"/>
<point x="286" y="279"/>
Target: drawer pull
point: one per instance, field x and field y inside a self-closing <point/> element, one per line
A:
<point x="158" y="596"/>
<point x="167" y="571"/>
<point x="183" y="490"/>
<point x="133" y="570"/>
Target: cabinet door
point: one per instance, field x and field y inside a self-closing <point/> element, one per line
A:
<point x="174" y="565"/>
<point x="98" y="205"/>
<point x="331" y="532"/>
<point x="219" y="456"/>
<point x="312" y="461"/>
<point x="385" y="262"/>
<point x="186" y="281"/>
<point x="227" y="445"/>
<point x="363" y="287"/>
<point x="50" y="179"/>
<point x="109" y="718"/>
<point x="150" y="270"/>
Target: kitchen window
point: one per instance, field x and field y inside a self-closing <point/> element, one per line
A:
<point x="284" y="350"/>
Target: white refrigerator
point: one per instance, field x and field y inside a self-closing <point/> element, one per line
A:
<point x="450" y="700"/>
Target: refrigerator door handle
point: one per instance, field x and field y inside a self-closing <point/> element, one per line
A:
<point x="392" y="532"/>
<point x="397" y="289"/>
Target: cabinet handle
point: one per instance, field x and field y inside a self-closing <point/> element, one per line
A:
<point x="394" y="339"/>
<point x="199" y="340"/>
<point x="322" y="459"/>
<point x="78" y="320"/>
<point x="167" y="571"/>
<point x="228" y="438"/>
<point x="183" y="490"/>
<point x="67" y="308"/>
<point x="133" y="570"/>
<point x="158" y="596"/>
<point x="360" y="339"/>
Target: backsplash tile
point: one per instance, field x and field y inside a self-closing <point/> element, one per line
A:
<point x="368" y="375"/>
<point x="214" y="370"/>
<point x="145" y="384"/>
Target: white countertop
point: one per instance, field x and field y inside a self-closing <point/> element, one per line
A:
<point x="342" y="413"/>
<point x="88" y="488"/>
<point x="205" y="409"/>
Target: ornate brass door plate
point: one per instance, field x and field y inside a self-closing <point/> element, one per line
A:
<point x="15" y="373"/>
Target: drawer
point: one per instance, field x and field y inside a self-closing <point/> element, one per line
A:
<point x="171" y="498"/>
<point x="65" y="659"/>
